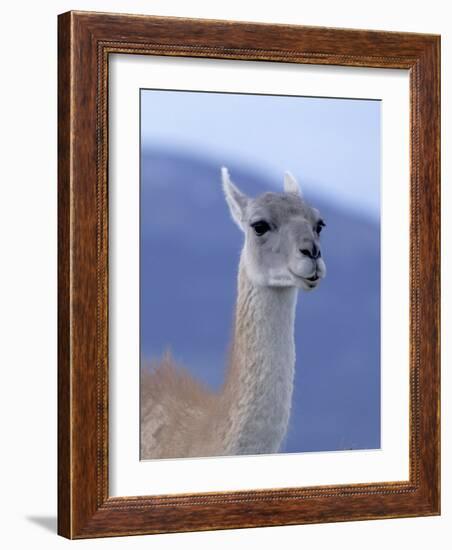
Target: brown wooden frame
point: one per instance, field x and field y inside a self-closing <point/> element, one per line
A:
<point x="85" y="41"/>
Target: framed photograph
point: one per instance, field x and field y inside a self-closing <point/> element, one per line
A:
<point x="248" y="275"/>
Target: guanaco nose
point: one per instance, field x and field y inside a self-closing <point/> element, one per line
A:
<point x="313" y="253"/>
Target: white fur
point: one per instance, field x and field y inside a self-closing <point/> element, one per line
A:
<point x="260" y="384"/>
<point x="236" y="199"/>
<point x="291" y="185"/>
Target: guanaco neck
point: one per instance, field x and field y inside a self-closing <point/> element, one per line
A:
<point x="259" y="383"/>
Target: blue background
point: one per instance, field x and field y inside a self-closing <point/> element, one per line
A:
<point x="190" y="247"/>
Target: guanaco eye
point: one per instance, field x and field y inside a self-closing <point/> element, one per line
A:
<point x="318" y="228"/>
<point x="261" y="227"/>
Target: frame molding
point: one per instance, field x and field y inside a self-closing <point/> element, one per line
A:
<point x="85" y="41"/>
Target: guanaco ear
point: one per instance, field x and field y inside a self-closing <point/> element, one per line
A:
<point x="236" y="200"/>
<point x="291" y="185"/>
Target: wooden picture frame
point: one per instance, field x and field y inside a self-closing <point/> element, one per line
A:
<point x="85" y="41"/>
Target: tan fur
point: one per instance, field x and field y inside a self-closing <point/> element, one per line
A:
<point x="174" y="411"/>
